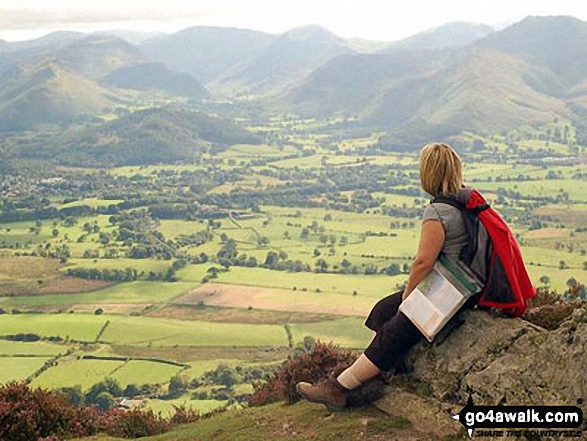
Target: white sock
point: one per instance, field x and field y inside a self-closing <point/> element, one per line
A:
<point x="348" y="380"/>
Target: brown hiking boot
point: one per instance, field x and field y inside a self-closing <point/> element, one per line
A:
<point x="328" y="392"/>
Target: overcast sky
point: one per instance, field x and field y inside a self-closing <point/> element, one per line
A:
<point x="370" y="19"/>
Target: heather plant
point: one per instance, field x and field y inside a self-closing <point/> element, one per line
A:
<point x="33" y="414"/>
<point x="548" y="309"/>
<point x="309" y="366"/>
<point x="551" y="316"/>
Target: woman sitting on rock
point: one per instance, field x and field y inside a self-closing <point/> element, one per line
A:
<point x="442" y="230"/>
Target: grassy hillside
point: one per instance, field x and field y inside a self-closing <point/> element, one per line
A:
<point x="48" y="93"/>
<point x="145" y="137"/>
<point x="448" y="35"/>
<point x="469" y="89"/>
<point x="348" y="84"/>
<point x="299" y="421"/>
<point x="155" y="76"/>
<point x="206" y="52"/>
<point x="559" y="43"/>
<point x="524" y="74"/>
<point x="484" y="90"/>
<point x="288" y="58"/>
<point x="97" y="55"/>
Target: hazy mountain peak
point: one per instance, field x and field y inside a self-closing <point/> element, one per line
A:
<point x="310" y="31"/>
<point x="155" y="76"/>
<point x="287" y="59"/>
<point x="98" y="55"/>
<point x="453" y="34"/>
<point x="559" y="42"/>
<point x="106" y="40"/>
<point x="214" y="30"/>
<point x="48" y="92"/>
<point x="205" y="52"/>
<point x="132" y="37"/>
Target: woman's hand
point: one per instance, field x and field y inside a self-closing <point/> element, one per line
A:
<point x="431" y="242"/>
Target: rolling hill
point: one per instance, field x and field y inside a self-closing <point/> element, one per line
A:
<point x="459" y="76"/>
<point x="448" y="35"/>
<point x="156" y="135"/>
<point x="207" y="52"/>
<point x="558" y="43"/>
<point x="48" y="93"/>
<point x="287" y="59"/>
<point x="97" y="55"/>
<point x="499" y="82"/>
<point x="484" y="90"/>
<point x="51" y="40"/>
<point x="155" y="76"/>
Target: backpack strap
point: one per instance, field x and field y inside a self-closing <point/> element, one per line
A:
<point x="449" y="200"/>
<point x="454" y="202"/>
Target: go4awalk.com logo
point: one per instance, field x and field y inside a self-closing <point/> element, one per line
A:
<point x="528" y="421"/>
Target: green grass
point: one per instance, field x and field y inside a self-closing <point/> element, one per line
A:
<point x="150" y="169"/>
<point x="193" y="273"/>
<point x="404" y="245"/>
<point x="577" y="189"/>
<point x="123" y="293"/>
<point x="166" y="332"/>
<point x="19" y="368"/>
<point x="166" y="407"/>
<point x="145" y="372"/>
<point x="369" y="286"/>
<point x="347" y="332"/>
<point x="248" y="150"/>
<point x="83" y="327"/>
<point x="145" y="265"/>
<point x="172" y="229"/>
<point x="552" y="258"/>
<point x="558" y="278"/>
<point x="198" y="367"/>
<point x="19" y="232"/>
<point x="15" y="348"/>
<point x="92" y="203"/>
<point x="70" y="373"/>
<point x="280" y="422"/>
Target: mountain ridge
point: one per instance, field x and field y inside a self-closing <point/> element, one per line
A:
<point x="482" y="86"/>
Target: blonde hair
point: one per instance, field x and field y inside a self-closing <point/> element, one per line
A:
<point x="441" y="170"/>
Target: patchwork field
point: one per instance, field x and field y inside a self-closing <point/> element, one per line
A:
<point x="81" y="327"/>
<point x="243" y="256"/>
<point x="276" y="299"/>
<point x="19" y="368"/>
<point x="166" y="332"/>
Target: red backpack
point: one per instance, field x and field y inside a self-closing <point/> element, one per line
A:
<point x="493" y="254"/>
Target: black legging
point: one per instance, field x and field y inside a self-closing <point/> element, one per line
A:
<point x="396" y="334"/>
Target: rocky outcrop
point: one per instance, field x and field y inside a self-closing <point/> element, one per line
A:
<point x="502" y="360"/>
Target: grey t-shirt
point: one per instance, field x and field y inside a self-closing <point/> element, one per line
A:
<point x="452" y="221"/>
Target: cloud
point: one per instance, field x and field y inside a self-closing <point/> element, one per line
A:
<point x="375" y="19"/>
<point x="13" y="19"/>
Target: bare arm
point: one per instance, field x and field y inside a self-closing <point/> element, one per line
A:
<point x="431" y="241"/>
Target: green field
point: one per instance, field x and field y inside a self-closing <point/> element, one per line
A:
<point x="83" y="327"/>
<point x="166" y="407"/>
<point x="120" y="263"/>
<point x="371" y="286"/>
<point x="348" y="332"/>
<point x="124" y="293"/>
<point x="40" y="348"/>
<point x="84" y="373"/>
<point x="144" y="372"/>
<point x="19" y="368"/>
<point x="92" y="203"/>
<point x="313" y="190"/>
<point x="577" y="190"/>
<point x="165" y="332"/>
